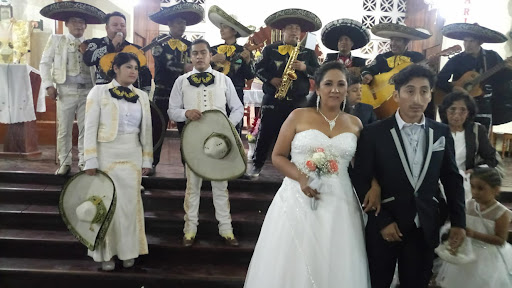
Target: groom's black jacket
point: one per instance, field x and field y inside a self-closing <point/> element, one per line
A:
<point x="378" y="155"/>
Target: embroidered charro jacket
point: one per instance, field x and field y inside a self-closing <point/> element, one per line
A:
<point x="61" y="59"/>
<point x="102" y="121"/>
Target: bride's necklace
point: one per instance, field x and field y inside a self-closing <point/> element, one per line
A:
<point x="332" y="122"/>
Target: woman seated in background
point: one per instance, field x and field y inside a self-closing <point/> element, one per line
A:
<point x="458" y="110"/>
<point x="118" y="141"/>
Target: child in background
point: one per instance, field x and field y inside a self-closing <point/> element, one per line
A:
<point x="487" y="222"/>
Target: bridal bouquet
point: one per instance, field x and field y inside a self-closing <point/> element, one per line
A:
<point x="319" y="164"/>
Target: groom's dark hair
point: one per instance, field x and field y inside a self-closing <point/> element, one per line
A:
<point x="413" y="71"/>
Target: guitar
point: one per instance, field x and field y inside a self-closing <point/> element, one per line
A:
<point x="225" y="66"/>
<point x="107" y="59"/>
<point x="471" y="82"/>
<point x="378" y="93"/>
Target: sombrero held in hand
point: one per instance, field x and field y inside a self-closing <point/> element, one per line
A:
<point x="87" y="205"/>
<point x="212" y="148"/>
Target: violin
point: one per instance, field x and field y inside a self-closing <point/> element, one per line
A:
<point x="107" y="59"/>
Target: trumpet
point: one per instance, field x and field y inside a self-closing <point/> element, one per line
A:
<point x="289" y="74"/>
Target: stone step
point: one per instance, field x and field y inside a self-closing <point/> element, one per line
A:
<point x="246" y="224"/>
<point x="154" y="199"/>
<point x="32" y="272"/>
<point x="22" y="177"/>
<point x="27" y="243"/>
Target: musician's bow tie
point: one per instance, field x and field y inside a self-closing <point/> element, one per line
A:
<point x="226" y="49"/>
<point x="121" y="92"/>
<point x="176" y="43"/>
<point x="285" y="49"/>
<point x="205" y="78"/>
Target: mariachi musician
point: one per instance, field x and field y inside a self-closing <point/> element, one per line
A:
<point x="396" y="59"/>
<point x="345" y="35"/>
<point x="114" y="42"/>
<point x="62" y="64"/>
<point x="271" y="68"/>
<point x="172" y="59"/>
<point x="476" y="59"/>
<point x="230" y="58"/>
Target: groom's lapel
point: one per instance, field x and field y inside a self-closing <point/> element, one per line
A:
<point x="427" y="157"/>
<point x="397" y="138"/>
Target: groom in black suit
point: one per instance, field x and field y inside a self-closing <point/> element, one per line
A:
<point x="408" y="154"/>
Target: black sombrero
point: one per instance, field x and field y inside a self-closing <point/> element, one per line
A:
<point x="190" y="12"/>
<point x="351" y="28"/>
<point x="459" y="31"/>
<point x="389" y="30"/>
<point x="62" y="11"/>
<point x="307" y="21"/>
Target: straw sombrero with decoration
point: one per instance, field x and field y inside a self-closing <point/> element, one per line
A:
<point x="212" y="148"/>
<point x="353" y="29"/>
<point x="192" y="13"/>
<point x="389" y="30"/>
<point x="62" y="11"/>
<point x="87" y="205"/>
<point x="219" y="16"/>
<point x="459" y="31"/>
<point x="307" y="21"/>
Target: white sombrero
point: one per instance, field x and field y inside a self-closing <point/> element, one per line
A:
<point x="389" y="30"/>
<point x="192" y="13"/>
<point x="212" y="148"/>
<point x="219" y="16"/>
<point x="62" y="11"/>
<point x="87" y="205"/>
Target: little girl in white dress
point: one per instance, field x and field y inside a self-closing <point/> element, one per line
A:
<point x="487" y="222"/>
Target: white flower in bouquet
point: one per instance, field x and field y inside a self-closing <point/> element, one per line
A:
<point x="319" y="158"/>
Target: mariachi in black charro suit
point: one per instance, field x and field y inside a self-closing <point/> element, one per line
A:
<point x="381" y="154"/>
<point x="275" y="111"/>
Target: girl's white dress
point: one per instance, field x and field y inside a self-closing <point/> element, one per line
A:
<point x="493" y="265"/>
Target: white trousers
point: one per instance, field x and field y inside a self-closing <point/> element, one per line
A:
<point x="220" y="201"/>
<point x="70" y="102"/>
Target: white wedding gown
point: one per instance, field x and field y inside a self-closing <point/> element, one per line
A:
<point x="324" y="248"/>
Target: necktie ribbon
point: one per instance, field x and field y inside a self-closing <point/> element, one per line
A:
<point x="121" y="92"/>
<point x="205" y="78"/>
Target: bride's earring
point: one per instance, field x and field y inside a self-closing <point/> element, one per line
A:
<point x="344" y="104"/>
<point x="317" y="102"/>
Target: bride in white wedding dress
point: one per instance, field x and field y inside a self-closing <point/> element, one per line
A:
<point x="314" y="237"/>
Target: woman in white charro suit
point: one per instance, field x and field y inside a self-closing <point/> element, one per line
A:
<point x="118" y="141"/>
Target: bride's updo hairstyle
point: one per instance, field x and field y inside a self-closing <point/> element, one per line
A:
<point x="319" y="76"/>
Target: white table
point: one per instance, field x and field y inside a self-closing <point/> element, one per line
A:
<point x="253" y="97"/>
<point x="16" y="98"/>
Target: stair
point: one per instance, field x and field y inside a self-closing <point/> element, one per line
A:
<point x="36" y="249"/>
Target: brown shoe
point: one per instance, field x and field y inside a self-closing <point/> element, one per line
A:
<point x="231" y="241"/>
<point x="188" y="241"/>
